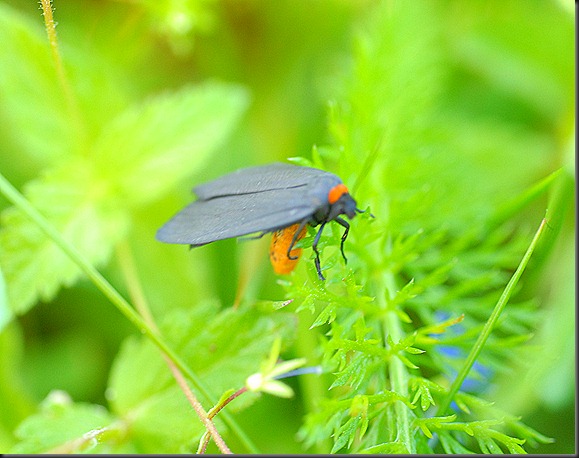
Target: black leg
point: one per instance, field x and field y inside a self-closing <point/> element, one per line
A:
<point x="315" y="248"/>
<point x="344" y="236"/>
<point x="294" y="240"/>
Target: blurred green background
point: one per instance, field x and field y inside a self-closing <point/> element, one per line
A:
<point x="271" y="71"/>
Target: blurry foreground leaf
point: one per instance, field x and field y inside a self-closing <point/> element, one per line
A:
<point x="139" y="157"/>
<point x="64" y="427"/>
<point x="223" y="349"/>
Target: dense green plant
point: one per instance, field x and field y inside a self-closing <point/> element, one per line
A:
<point x="453" y="128"/>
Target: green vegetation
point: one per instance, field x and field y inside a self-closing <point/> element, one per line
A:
<point x="450" y="329"/>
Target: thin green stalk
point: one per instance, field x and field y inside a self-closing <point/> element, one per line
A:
<point x="489" y="325"/>
<point x="101" y="283"/>
<point x="137" y="295"/>
<point x="399" y="384"/>
<point x="312" y="388"/>
<point x="397" y="370"/>
<point x="114" y="296"/>
<point x="64" y="82"/>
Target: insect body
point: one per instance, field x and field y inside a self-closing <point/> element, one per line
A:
<point x="284" y="260"/>
<point x="264" y="199"/>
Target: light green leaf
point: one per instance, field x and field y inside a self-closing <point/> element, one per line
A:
<point x="406" y="361"/>
<point x="346" y="433"/>
<point x="69" y="196"/>
<point x="487" y="445"/>
<point x="414" y="350"/>
<point x="451" y="445"/>
<point x="354" y="372"/>
<point x="164" y="422"/>
<point x="422" y="392"/>
<point x="326" y="316"/>
<point x="386" y="448"/>
<point x="87" y="199"/>
<point x="150" y="147"/>
<point x="62" y="426"/>
<point x="223" y="349"/>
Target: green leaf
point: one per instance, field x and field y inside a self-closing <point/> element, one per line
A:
<point x="386" y="448"/>
<point x="406" y="361"/>
<point x="451" y="445"/>
<point x="427" y="424"/>
<point x="63" y="427"/>
<point x="422" y="387"/>
<point x="148" y="149"/>
<point x="531" y="436"/>
<point x="164" y="421"/>
<point x="88" y="199"/>
<point x="346" y="433"/>
<point x="487" y="445"/>
<point x="327" y="315"/>
<point x="222" y="348"/>
<point x="414" y="350"/>
<point x="389" y="397"/>
<point x="353" y="374"/>
<point x="437" y="328"/>
<point x="34" y="267"/>
<point x="408" y="292"/>
<point x="323" y="422"/>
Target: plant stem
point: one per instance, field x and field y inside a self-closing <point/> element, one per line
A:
<point x="397" y="371"/>
<point x="129" y="270"/>
<point x="488" y="327"/>
<point x="101" y="283"/>
<point x="212" y="413"/>
<point x="72" y="105"/>
<point x="114" y="296"/>
<point x="399" y="384"/>
<point x="312" y="388"/>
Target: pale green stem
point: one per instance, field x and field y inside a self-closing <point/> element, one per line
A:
<point x="489" y="325"/>
<point x="401" y="420"/>
<point x="137" y="294"/>
<point x="113" y="295"/>
<point x="312" y="386"/>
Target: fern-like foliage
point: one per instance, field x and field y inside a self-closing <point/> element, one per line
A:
<point x="399" y="321"/>
<point x="451" y="127"/>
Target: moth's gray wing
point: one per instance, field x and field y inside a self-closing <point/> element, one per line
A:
<point x="263" y="178"/>
<point x="219" y="218"/>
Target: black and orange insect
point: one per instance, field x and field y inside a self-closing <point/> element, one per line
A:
<point x="278" y="198"/>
